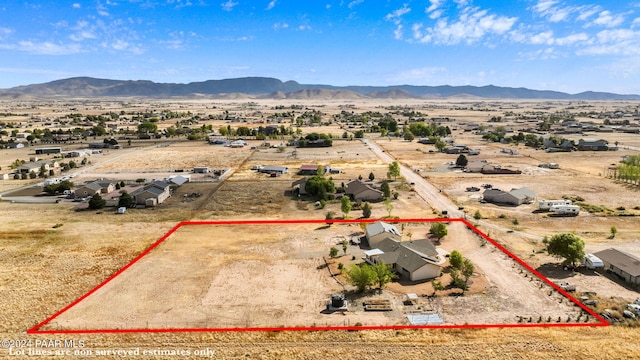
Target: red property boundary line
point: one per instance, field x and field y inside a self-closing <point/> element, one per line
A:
<point x="36" y="329"/>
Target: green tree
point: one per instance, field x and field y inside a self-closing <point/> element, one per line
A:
<point x="147" y="127"/>
<point x="467" y="270"/>
<point x="394" y="170"/>
<point x="359" y="134"/>
<point x="371" y="176"/>
<point x="386" y="190"/>
<point x="388" y="206"/>
<point x="361" y="277"/>
<point x="125" y="200"/>
<point x="439" y="230"/>
<point x="567" y="246"/>
<point x="614" y="231"/>
<point x="477" y="215"/>
<point x="344" y="246"/>
<point x="408" y="135"/>
<point x="320" y="186"/>
<point x="366" y="210"/>
<point x="462" y="161"/>
<point x="384" y="274"/>
<point x="97" y="202"/>
<point x="455" y="259"/>
<point x="32" y="174"/>
<point x="440" y="145"/>
<point x="345" y="205"/>
<point x="330" y="216"/>
<point x="333" y="252"/>
<point x="437" y="286"/>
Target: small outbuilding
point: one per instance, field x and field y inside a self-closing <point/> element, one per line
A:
<point x="379" y="231"/>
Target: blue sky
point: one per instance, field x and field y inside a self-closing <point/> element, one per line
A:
<point x="565" y="45"/>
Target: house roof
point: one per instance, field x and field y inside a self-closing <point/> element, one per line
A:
<point x="356" y="186"/>
<point x="299" y="182"/>
<point x="148" y="188"/>
<point x="405" y="254"/>
<point x="423" y="247"/>
<point x="523" y="193"/>
<point x="379" y="227"/>
<point x="160" y="184"/>
<point x="622" y="260"/>
<point x="309" y="167"/>
<point x="92" y="185"/>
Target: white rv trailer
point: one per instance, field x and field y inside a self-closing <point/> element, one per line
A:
<point x="565" y="209"/>
<point x="592" y="262"/>
<point x="546" y="205"/>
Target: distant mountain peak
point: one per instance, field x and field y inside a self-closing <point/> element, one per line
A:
<point x="268" y="87"/>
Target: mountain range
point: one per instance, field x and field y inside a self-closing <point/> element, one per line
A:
<point x="271" y="88"/>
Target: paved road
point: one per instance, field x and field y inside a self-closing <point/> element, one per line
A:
<point x="434" y="197"/>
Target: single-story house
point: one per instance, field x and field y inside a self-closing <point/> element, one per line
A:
<point x="475" y="165"/>
<point x="101" y="186"/>
<point x="593" y="145"/>
<point x="513" y="197"/>
<point x="414" y="260"/>
<point x="360" y="191"/>
<point x="15" y="145"/>
<point x="622" y="264"/>
<point x="157" y="190"/>
<point x="308" y="169"/>
<point x="379" y="231"/>
<point x="36" y="165"/>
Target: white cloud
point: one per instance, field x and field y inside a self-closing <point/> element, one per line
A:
<point x="435" y="5"/>
<point x="545" y="37"/>
<point x="397" y="33"/>
<point x="472" y="25"/>
<point x="544" y="5"/>
<point x="397" y="14"/>
<point x="102" y="10"/>
<point x="303" y="27"/>
<point x="272" y="4"/>
<point x="43" y="48"/>
<point x="585" y="12"/>
<point x="278" y="26"/>
<point x="355" y="3"/>
<point x="606" y="19"/>
<point x="76" y="6"/>
<point x="572" y="39"/>
<point x="541" y="54"/>
<point x="228" y="5"/>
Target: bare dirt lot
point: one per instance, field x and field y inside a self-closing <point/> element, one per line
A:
<point x="218" y="276"/>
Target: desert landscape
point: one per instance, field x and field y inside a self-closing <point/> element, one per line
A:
<point x="259" y="276"/>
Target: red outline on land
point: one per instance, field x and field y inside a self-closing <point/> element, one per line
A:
<point x="35" y="329"/>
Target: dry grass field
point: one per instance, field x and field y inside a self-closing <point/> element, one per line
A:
<point x="44" y="268"/>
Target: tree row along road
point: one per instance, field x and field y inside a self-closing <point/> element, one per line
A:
<point x="432" y="196"/>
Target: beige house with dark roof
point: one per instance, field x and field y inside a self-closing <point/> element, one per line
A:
<point x="360" y="191"/>
<point x="415" y="260"/>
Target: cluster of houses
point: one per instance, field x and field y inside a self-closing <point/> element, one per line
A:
<point x="582" y="145"/>
<point x="414" y="260"/>
<point x="149" y="195"/>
